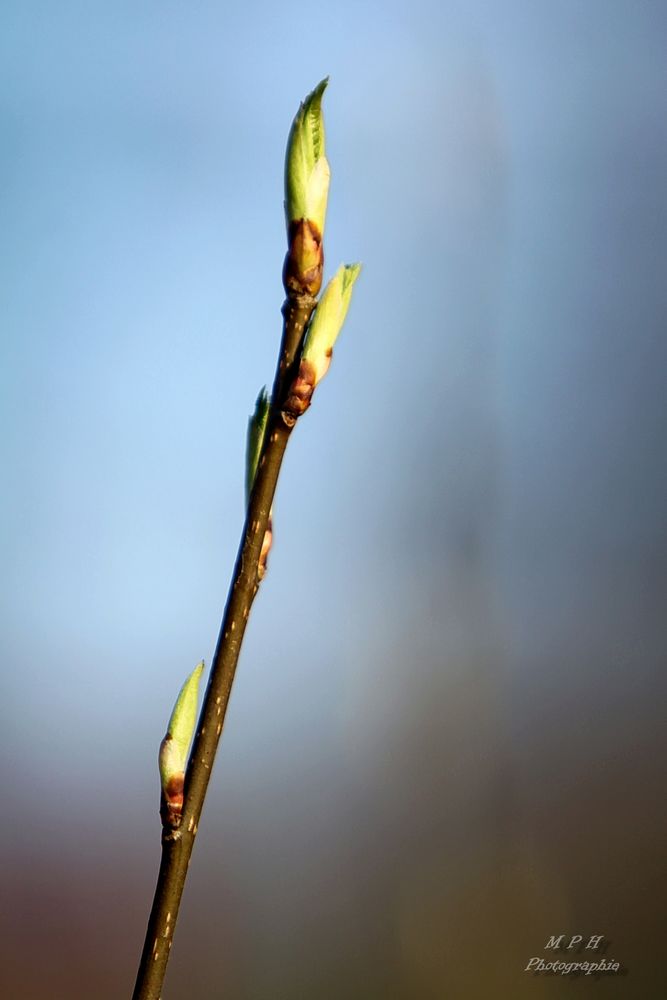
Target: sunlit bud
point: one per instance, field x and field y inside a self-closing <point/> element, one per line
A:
<point x="328" y="319"/>
<point x="175" y="746"/>
<point x="306" y="167"/>
<point x="255" y="440"/>
<point x="306" y="193"/>
<point x="324" y="328"/>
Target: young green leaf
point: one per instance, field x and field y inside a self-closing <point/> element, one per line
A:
<point x="306" y="166"/>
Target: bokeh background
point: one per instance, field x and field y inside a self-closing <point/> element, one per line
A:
<point x="446" y="738"/>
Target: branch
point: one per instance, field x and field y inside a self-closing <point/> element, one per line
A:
<point x="304" y="357"/>
<point x="177" y="844"/>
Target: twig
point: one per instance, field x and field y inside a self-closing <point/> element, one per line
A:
<point x="303" y="360"/>
<point x="177" y="844"/>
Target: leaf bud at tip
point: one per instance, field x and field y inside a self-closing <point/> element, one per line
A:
<point x="307" y="178"/>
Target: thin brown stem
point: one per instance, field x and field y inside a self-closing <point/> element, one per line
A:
<point x="177" y="844"/>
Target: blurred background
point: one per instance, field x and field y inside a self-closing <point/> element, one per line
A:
<point x="446" y="738"/>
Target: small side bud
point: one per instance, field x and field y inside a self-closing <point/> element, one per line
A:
<point x="321" y="336"/>
<point x="307" y="178"/>
<point x="174" y="749"/>
<point x="256" y="433"/>
<point x="267" y="542"/>
<point x="255" y="440"/>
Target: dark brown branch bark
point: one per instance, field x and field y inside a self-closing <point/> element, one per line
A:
<point x="177" y="844"/>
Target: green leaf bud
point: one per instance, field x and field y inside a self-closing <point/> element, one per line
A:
<point x="327" y="322"/>
<point x="306" y="192"/>
<point x="175" y="746"/>
<point x="255" y="439"/>
<point x="306" y="167"/>
<point x="256" y="433"/>
<point x="321" y="336"/>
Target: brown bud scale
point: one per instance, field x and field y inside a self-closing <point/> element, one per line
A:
<point x="300" y="394"/>
<point x="171" y="804"/>
<point x="304" y="263"/>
